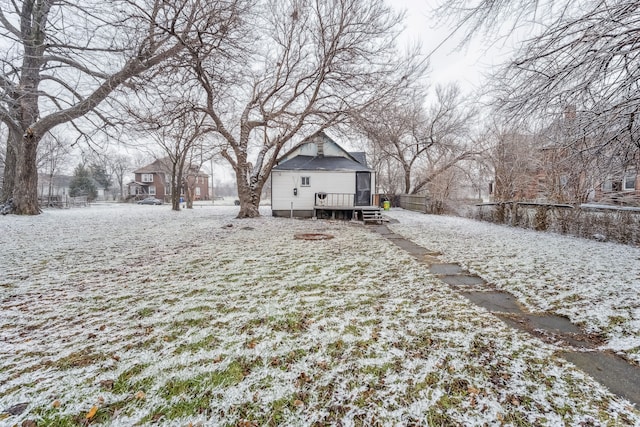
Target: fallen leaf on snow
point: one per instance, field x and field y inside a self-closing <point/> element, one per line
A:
<point x="92" y="413"/>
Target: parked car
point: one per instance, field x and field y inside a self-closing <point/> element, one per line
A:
<point x="150" y="201"/>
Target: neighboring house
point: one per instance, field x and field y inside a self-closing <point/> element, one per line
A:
<point x="53" y="190"/>
<point x="155" y="180"/>
<point x="550" y="170"/>
<point x="318" y="177"/>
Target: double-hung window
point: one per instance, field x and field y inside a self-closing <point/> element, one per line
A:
<point x="629" y="182"/>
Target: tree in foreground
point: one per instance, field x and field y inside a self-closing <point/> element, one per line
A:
<point x="55" y="71"/>
<point x="306" y="65"/>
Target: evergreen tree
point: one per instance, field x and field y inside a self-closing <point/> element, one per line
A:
<point x="82" y="184"/>
<point x="100" y="174"/>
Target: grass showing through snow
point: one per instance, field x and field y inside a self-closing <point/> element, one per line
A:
<point x="133" y="315"/>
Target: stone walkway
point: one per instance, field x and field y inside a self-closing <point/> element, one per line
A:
<point x="579" y="348"/>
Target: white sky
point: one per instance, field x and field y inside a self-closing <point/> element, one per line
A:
<point x="449" y="63"/>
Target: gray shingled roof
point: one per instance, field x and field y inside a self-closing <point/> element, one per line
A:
<point x="328" y="163"/>
<point x="360" y="156"/>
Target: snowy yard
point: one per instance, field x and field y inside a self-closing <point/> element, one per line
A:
<point x="596" y="285"/>
<point x="123" y="315"/>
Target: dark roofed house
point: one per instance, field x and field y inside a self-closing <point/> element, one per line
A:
<point x="318" y="177"/>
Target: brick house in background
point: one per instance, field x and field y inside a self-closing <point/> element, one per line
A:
<point x="155" y="180"/>
<point x="550" y="174"/>
<point x="561" y="166"/>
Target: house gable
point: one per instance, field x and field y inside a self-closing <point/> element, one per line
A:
<point x="321" y="153"/>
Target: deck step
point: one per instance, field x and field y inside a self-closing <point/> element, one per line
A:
<point x="372" y="215"/>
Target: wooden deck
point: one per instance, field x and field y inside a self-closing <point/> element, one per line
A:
<point x="343" y="206"/>
<point x="355" y="213"/>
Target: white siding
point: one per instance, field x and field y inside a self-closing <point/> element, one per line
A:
<point x="283" y="183"/>
<point x="331" y="149"/>
<point x="374" y="188"/>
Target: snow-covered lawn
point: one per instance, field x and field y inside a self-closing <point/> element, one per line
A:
<point x="595" y="284"/>
<point x="123" y="315"/>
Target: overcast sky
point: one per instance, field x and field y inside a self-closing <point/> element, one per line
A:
<point x="449" y="63"/>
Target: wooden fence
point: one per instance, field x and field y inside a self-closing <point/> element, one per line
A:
<point x="64" y="202"/>
<point x="413" y="202"/>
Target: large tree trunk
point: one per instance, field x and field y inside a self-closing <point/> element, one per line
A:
<point x="188" y="193"/>
<point x="407" y="178"/>
<point x="25" y="193"/>
<point x="176" y="186"/>
<point x="249" y="204"/>
<point x="249" y="193"/>
<point x="9" y="178"/>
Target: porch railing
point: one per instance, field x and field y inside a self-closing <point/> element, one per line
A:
<point x="335" y="199"/>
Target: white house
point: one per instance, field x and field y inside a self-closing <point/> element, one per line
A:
<point x="320" y="178"/>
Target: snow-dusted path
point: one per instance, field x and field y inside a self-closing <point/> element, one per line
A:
<point x="119" y="315"/>
<point x="595" y="284"/>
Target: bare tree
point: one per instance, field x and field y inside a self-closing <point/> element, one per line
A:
<point x="310" y="66"/>
<point x="63" y="60"/>
<point x="583" y="54"/>
<point x="119" y="165"/>
<point x="53" y="154"/>
<point x="515" y="158"/>
<point x="423" y="141"/>
<point x="181" y="131"/>
<point x="394" y="130"/>
<point x="446" y="133"/>
<point x="183" y="139"/>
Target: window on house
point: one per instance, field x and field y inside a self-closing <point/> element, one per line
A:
<point x="610" y="185"/>
<point x="152" y="190"/>
<point x="306" y="181"/>
<point x="197" y="191"/>
<point x="147" y="177"/>
<point x="629" y="182"/>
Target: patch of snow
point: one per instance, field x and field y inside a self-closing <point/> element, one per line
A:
<point x="595" y="284"/>
<point x="253" y="325"/>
